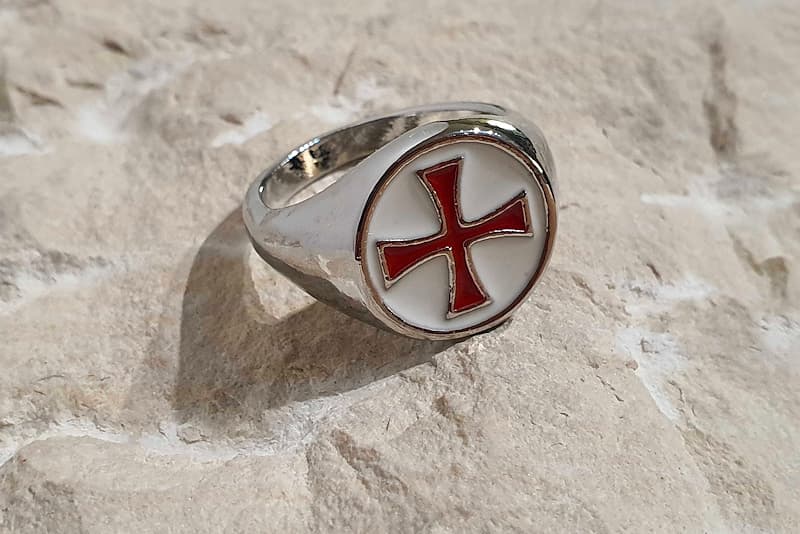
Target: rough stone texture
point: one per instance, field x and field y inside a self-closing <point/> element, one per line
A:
<point x="156" y="377"/>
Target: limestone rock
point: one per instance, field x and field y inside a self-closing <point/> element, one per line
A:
<point x="156" y="376"/>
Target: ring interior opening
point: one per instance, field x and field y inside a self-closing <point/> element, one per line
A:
<point x="341" y="149"/>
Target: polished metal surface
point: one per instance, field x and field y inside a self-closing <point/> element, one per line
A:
<point x="345" y="146"/>
<point x="317" y="242"/>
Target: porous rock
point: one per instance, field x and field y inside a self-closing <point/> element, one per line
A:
<point x="155" y="376"/>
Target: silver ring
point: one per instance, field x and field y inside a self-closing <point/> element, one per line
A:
<point x="441" y="223"/>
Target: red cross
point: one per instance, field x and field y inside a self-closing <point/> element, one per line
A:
<point x="454" y="238"/>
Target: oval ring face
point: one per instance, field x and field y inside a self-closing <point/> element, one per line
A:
<point x="453" y="239"/>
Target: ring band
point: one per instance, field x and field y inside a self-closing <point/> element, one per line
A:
<point x="439" y="227"/>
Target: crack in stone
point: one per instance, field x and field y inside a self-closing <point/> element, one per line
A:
<point x="6" y="108"/>
<point x="720" y="105"/>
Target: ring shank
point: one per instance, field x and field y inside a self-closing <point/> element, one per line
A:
<point x="342" y="148"/>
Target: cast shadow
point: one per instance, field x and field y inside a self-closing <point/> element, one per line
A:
<point x="236" y="360"/>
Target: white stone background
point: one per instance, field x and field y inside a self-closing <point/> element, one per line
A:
<point x="155" y="377"/>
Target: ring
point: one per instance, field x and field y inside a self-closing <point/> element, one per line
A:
<point x="441" y="221"/>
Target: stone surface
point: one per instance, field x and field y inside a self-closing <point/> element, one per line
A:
<point x="156" y="377"/>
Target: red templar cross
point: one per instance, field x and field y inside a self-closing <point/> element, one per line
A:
<point x="454" y="238"/>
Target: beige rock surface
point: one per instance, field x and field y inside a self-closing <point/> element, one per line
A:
<point x="156" y="377"/>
